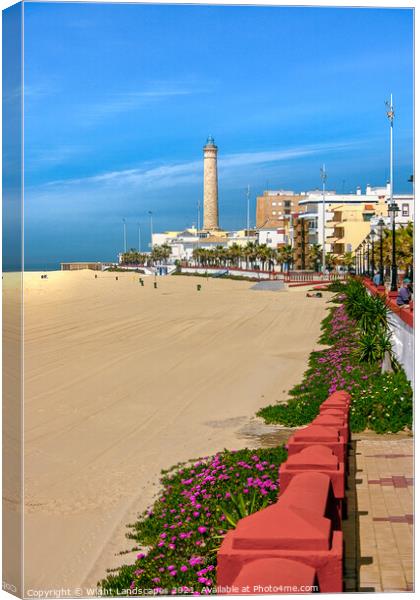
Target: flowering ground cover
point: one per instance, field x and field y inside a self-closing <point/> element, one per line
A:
<point x="380" y="401"/>
<point x="179" y="536"/>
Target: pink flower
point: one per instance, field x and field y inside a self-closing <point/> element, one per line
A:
<point x="202" y="529"/>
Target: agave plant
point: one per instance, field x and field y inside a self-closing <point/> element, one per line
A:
<point x="374" y="346"/>
<point x="242" y="505"/>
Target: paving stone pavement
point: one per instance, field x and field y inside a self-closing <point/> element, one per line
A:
<point x="378" y="532"/>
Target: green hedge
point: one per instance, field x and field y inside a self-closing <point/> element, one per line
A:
<point x="381" y="402"/>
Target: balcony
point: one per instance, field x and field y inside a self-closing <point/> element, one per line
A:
<point x="338" y="248"/>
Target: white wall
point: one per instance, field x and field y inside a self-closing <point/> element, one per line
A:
<point x="403" y="343"/>
<point x="270" y="237"/>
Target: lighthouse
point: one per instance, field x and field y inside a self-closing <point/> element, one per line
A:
<point x="210" y="191"/>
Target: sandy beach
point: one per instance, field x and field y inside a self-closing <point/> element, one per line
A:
<point x="122" y="381"/>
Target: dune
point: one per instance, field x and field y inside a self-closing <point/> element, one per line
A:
<point x="123" y="380"/>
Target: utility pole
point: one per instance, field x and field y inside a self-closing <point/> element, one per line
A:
<point x="151" y="230"/>
<point x="247" y="208"/>
<point x="323" y="179"/>
<point x="125" y="235"/>
<point x="139" y="232"/>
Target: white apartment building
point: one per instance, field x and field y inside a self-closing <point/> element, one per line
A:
<point x="183" y="243"/>
<point x="273" y="238"/>
<point x="311" y="207"/>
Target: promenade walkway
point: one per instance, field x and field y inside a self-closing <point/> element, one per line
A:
<point x="378" y="533"/>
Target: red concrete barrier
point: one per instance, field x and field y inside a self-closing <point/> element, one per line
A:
<point x="314" y="458"/>
<point x="298" y="540"/>
<point x="275" y="576"/>
<point x="340" y="395"/>
<point x="336" y="422"/>
<point x="317" y="434"/>
<point x="283" y="532"/>
<point x="339" y="411"/>
<point x="336" y="412"/>
<point x="334" y="404"/>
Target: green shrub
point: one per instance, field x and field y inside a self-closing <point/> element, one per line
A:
<point x="384" y="405"/>
<point x="381" y="402"/>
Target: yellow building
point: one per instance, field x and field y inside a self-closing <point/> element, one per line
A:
<point x="351" y="224"/>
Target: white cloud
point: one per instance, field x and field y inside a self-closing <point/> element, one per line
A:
<point x="175" y="174"/>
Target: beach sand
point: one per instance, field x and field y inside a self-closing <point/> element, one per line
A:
<point x="122" y="381"/>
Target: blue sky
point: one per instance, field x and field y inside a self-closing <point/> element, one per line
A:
<point x="119" y="100"/>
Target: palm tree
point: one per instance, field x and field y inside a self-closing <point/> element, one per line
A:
<point x="347" y="260"/>
<point x="235" y="253"/>
<point x="262" y="255"/>
<point x="315" y="256"/>
<point x="284" y="256"/>
<point x="403" y="245"/>
<point x="250" y="253"/>
<point x="331" y="261"/>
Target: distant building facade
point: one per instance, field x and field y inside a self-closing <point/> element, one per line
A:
<point x="301" y="243"/>
<point x="275" y="207"/>
<point x="348" y="216"/>
<point x="78" y="266"/>
<point x="183" y="243"/>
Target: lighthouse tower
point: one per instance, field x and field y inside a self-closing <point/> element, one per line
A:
<point x="210" y="201"/>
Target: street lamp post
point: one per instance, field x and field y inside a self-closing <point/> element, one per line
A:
<point x="363" y="257"/>
<point x="357" y="253"/>
<point x="372" y="237"/>
<point x="368" y="256"/>
<point x="392" y="211"/>
<point x="381" y="225"/>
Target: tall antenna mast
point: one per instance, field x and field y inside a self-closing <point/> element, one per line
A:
<point x="323" y="179"/>
<point x="390" y="114"/>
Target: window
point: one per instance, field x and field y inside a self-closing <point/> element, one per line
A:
<point x="405" y="210"/>
<point x="274" y="204"/>
<point x="274" y="212"/>
<point x="287" y="203"/>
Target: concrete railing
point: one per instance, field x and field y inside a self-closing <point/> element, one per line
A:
<point x="235" y="271"/>
<point x="296" y="544"/>
<point x="297" y="276"/>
